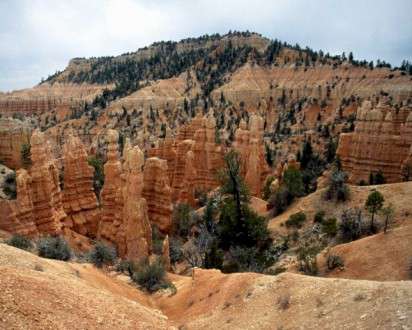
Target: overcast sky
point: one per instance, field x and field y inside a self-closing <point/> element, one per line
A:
<point x="38" y="37"/>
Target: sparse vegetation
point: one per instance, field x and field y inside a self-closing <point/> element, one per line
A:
<point x="334" y="261"/>
<point x="373" y="204"/>
<point x="151" y="276"/>
<point x="54" y="248"/>
<point x="296" y="220"/>
<point x="25" y="155"/>
<point x="330" y="227"/>
<point x="102" y="254"/>
<point x="337" y="189"/>
<point x="20" y="242"/>
<point x="98" y="179"/>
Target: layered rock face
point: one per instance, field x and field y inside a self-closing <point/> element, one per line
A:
<point x="111" y="195"/>
<point x="249" y="143"/>
<point x="38" y="208"/>
<point x="17" y="215"/>
<point x="193" y="158"/>
<point x="124" y="221"/>
<point x="79" y="199"/>
<point x="138" y="232"/>
<point x="158" y="193"/>
<point x="382" y="140"/>
<point x="47" y="197"/>
<point x="45" y="98"/>
<point x="13" y="134"/>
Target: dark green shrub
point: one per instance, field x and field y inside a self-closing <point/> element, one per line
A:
<point x="296" y="220"/>
<point x="183" y="219"/>
<point x="266" y="189"/>
<point x="157" y="240"/>
<point x="276" y="271"/>
<point x="307" y="258"/>
<point x="334" y="261"/>
<point x="294" y="182"/>
<point x="330" y="227"/>
<point x="25" y="155"/>
<point x="54" y="248"/>
<point x="319" y="217"/>
<point x="102" y="254"/>
<point x="20" y="242"/>
<point x="126" y="266"/>
<point x="350" y="227"/>
<point x="280" y="200"/>
<point x="373" y="204"/>
<point x="98" y="179"/>
<point x="175" y="250"/>
<point x="337" y="189"/>
<point x="151" y="276"/>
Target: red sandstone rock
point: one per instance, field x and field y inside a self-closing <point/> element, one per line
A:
<point x="13" y="134"/>
<point x="137" y="229"/>
<point x="79" y="199"/>
<point x="46" y="195"/>
<point x="249" y="144"/>
<point x="381" y="141"/>
<point x="17" y="215"/>
<point x="166" y="253"/>
<point x="157" y="193"/>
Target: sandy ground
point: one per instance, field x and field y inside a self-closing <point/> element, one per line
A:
<point x="38" y="293"/>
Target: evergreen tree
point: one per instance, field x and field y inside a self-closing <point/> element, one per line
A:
<point x="373" y="204"/>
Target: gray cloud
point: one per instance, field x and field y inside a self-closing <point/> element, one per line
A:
<point x="38" y="37"/>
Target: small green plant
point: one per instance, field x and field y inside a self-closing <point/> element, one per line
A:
<point x="54" y="248"/>
<point x="334" y="261"/>
<point x="276" y="271"/>
<point x="20" y="242"/>
<point x="266" y="189"/>
<point x="126" y="266"/>
<point x="25" y="155"/>
<point x="319" y="217"/>
<point x="330" y="227"/>
<point x="296" y="220"/>
<point x="151" y="275"/>
<point x="102" y="254"/>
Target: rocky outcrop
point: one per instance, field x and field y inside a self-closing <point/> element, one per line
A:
<point x="249" y="143"/>
<point x="158" y="193"/>
<point x="17" y="216"/>
<point x="13" y="134"/>
<point x="48" y="209"/>
<point x="193" y="158"/>
<point x="79" y="199"/>
<point x="124" y="221"/>
<point x="166" y="253"/>
<point x="137" y="229"/>
<point x="110" y="226"/>
<point x="381" y="141"/>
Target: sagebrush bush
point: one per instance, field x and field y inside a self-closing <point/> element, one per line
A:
<point x="351" y="226"/>
<point x="151" y="276"/>
<point x="54" y="248"/>
<point x="20" y="242"/>
<point x="175" y="250"/>
<point x="102" y="254"/>
<point x="330" y="226"/>
<point x="296" y="220"/>
<point x="334" y="261"/>
<point x="126" y="266"/>
<point x="319" y="217"/>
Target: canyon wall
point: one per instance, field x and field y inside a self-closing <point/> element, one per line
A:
<point x="381" y="141"/>
<point x="13" y="134"/>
